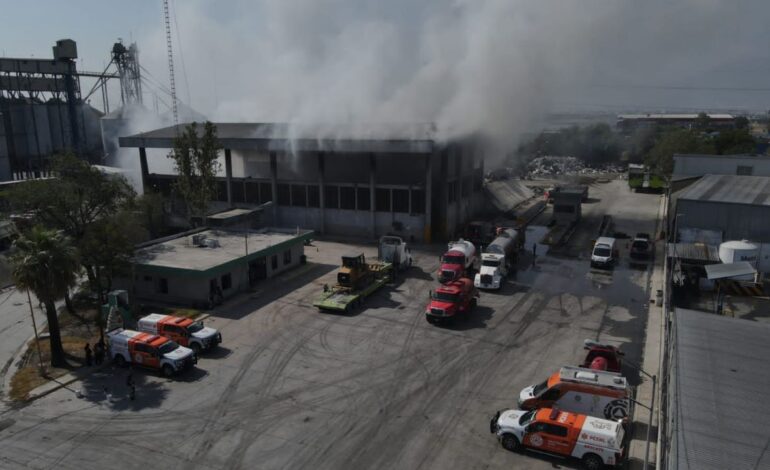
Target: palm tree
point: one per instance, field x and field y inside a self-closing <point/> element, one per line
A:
<point x="46" y="263"/>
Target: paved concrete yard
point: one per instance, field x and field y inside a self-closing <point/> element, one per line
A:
<point x="293" y="388"/>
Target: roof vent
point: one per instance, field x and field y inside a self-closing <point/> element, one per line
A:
<point x="199" y="239"/>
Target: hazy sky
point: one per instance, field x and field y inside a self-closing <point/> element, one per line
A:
<point x="495" y="65"/>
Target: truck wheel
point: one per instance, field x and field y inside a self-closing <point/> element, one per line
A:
<point x="196" y="347"/>
<point x="510" y="442"/>
<point x="592" y="462"/>
<point x="119" y="360"/>
<point x="168" y="371"/>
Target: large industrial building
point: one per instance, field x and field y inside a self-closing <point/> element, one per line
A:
<point x="693" y="165"/>
<point x="356" y="182"/>
<point x="42" y="112"/>
<point x="630" y="122"/>
<point x="723" y="207"/>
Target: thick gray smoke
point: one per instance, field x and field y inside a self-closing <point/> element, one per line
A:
<point x="491" y="66"/>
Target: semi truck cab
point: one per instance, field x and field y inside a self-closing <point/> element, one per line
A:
<point x="451" y="300"/>
<point x="494" y="269"/>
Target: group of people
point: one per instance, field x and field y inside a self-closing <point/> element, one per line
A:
<point x="95" y="356"/>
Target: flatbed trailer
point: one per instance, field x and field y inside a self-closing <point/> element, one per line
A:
<point x="345" y="299"/>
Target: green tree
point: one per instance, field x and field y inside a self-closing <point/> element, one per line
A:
<point x="661" y="156"/>
<point x="195" y="161"/>
<point x="741" y="122"/>
<point x="733" y="141"/>
<point x="150" y="206"/>
<point x="46" y="263"/>
<point x="76" y="199"/>
<point x="108" y="245"/>
<point x="703" y="121"/>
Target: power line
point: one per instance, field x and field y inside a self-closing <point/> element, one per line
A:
<point x="685" y="88"/>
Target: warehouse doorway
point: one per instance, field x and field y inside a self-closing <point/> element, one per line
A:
<point x="257" y="270"/>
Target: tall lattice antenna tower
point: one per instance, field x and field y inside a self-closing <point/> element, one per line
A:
<point x="170" y="63"/>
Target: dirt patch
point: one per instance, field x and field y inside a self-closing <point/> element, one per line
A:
<point x="76" y="330"/>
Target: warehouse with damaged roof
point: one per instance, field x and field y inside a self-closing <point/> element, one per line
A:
<point x="344" y="180"/>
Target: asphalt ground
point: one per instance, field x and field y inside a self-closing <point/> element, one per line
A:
<point x="380" y="388"/>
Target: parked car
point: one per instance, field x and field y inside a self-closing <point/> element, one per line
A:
<point x="641" y="247"/>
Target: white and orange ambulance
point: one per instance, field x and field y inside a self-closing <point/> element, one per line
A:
<point x="597" y="393"/>
<point x="148" y="350"/>
<point x="596" y="442"/>
<point x="184" y="331"/>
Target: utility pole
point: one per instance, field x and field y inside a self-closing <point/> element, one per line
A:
<point x="34" y="327"/>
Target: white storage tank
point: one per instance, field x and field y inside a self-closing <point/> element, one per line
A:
<point x="739" y="250"/>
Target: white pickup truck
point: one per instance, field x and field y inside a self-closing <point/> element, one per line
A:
<point x="596" y="442"/>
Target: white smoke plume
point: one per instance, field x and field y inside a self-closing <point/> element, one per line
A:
<point x="490" y="66"/>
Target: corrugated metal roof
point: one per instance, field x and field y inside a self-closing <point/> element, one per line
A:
<point x="720" y="388"/>
<point x="505" y="195"/>
<point x="727" y="270"/>
<point x="694" y="252"/>
<point x="753" y="190"/>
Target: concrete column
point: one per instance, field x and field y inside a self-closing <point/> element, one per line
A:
<point x="145" y="169"/>
<point x="459" y="194"/>
<point x="322" y="191"/>
<point x="428" y="191"/>
<point x="443" y="199"/>
<point x="274" y="185"/>
<point x="372" y="194"/>
<point x="229" y="176"/>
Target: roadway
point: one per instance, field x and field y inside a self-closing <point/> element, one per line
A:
<point x="381" y="388"/>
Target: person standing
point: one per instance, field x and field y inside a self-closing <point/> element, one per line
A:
<point x="534" y="254"/>
<point x="99" y="352"/>
<point x="89" y="355"/>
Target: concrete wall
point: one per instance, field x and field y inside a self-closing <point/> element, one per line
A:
<point x="736" y="221"/>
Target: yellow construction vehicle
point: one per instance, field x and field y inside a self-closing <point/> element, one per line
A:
<point x="356" y="280"/>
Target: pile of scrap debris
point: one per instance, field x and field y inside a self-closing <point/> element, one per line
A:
<point x="549" y="166"/>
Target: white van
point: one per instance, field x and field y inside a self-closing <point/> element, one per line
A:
<point x="605" y="253"/>
<point x="591" y="392"/>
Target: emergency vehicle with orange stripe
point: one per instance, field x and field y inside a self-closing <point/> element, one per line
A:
<point x="149" y="350"/>
<point x="184" y="331"/>
<point x="597" y="393"/>
<point x="596" y="442"/>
